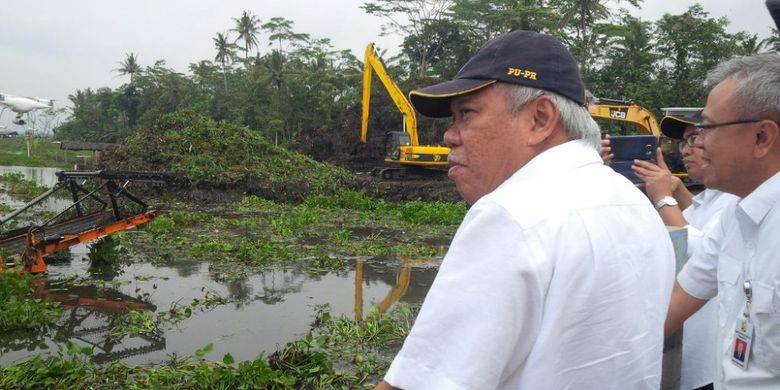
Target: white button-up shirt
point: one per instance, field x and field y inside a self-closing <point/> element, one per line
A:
<point x="699" y="363"/>
<point x="558" y="279"/>
<point x="744" y="246"/>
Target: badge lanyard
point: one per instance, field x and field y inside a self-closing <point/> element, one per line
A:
<point x="743" y="333"/>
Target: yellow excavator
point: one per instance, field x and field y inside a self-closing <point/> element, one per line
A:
<point x="404" y="153"/>
<point x="626" y="111"/>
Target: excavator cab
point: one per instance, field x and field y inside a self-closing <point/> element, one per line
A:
<point x="393" y="143"/>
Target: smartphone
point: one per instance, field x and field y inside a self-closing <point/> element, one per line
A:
<point x="627" y="148"/>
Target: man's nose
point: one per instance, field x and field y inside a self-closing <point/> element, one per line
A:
<point x="451" y="137"/>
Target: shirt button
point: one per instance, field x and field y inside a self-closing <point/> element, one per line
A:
<point x="749" y="245"/>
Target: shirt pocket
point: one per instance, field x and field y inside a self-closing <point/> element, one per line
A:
<point x="730" y="295"/>
<point x="766" y="309"/>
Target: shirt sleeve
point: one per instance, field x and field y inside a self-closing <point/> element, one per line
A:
<point x="482" y="312"/>
<point x="699" y="276"/>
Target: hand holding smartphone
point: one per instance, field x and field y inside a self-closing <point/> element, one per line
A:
<point x="628" y="148"/>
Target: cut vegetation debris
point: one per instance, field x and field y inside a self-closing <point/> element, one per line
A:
<point x="204" y="154"/>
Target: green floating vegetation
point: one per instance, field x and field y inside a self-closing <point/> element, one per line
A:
<point x="335" y="353"/>
<point x="19" y="309"/>
<point x="203" y="153"/>
<point x="318" y="234"/>
<point x="21" y="188"/>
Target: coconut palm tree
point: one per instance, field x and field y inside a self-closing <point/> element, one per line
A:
<point x="129" y="66"/>
<point x="224" y="53"/>
<point x="247" y="27"/>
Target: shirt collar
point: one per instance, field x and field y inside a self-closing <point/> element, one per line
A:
<point x="560" y="158"/>
<point x="759" y="202"/>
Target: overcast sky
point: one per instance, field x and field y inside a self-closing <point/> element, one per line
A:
<point x="51" y="48"/>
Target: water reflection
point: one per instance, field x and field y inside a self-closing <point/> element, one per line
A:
<point x="261" y="312"/>
<point x="43" y="176"/>
<point x="93" y="313"/>
<point x="92" y="327"/>
<point x="90" y="315"/>
<point x="393" y="296"/>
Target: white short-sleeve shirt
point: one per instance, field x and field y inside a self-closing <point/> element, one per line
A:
<point x="558" y="279"/>
<point x="699" y="362"/>
<point x="744" y="246"/>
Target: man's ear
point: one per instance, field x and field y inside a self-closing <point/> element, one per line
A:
<point x="767" y="138"/>
<point x="545" y="121"/>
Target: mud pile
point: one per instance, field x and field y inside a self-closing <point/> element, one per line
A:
<point x="339" y="143"/>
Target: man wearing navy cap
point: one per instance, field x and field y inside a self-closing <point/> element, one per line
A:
<point x="560" y="274"/>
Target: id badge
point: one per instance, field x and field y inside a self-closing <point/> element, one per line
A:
<point x="743" y="340"/>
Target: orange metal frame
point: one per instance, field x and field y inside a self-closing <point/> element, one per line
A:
<point x="35" y="251"/>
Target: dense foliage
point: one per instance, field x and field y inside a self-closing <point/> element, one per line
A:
<point x="205" y="153"/>
<point x="294" y="81"/>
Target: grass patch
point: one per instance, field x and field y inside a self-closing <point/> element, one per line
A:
<point x="43" y="153"/>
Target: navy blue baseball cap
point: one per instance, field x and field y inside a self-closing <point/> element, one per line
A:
<point x="673" y="126"/>
<point x="519" y="57"/>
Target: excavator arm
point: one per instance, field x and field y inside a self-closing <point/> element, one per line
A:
<point x="403" y="151"/>
<point x="373" y="64"/>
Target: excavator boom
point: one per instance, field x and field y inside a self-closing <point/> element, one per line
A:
<point x="403" y="149"/>
<point x="373" y="64"/>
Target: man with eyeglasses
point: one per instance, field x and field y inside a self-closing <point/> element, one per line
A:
<point x="739" y="259"/>
<point x="678" y="207"/>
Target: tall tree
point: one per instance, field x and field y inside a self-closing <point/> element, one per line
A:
<point x="280" y="30"/>
<point x="579" y="19"/>
<point x="410" y="17"/>
<point x="247" y="27"/>
<point x="627" y="65"/>
<point x="691" y="44"/>
<point x="488" y="18"/>
<point x="225" y="53"/>
<point x="129" y="66"/>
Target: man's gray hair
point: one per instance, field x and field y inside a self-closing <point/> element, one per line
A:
<point x="575" y="118"/>
<point x="757" y="95"/>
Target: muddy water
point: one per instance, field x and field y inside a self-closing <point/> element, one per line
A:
<point x="260" y="313"/>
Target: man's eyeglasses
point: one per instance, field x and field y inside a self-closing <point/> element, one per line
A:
<point x="688" y="141"/>
<point x="701" y="127"/>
